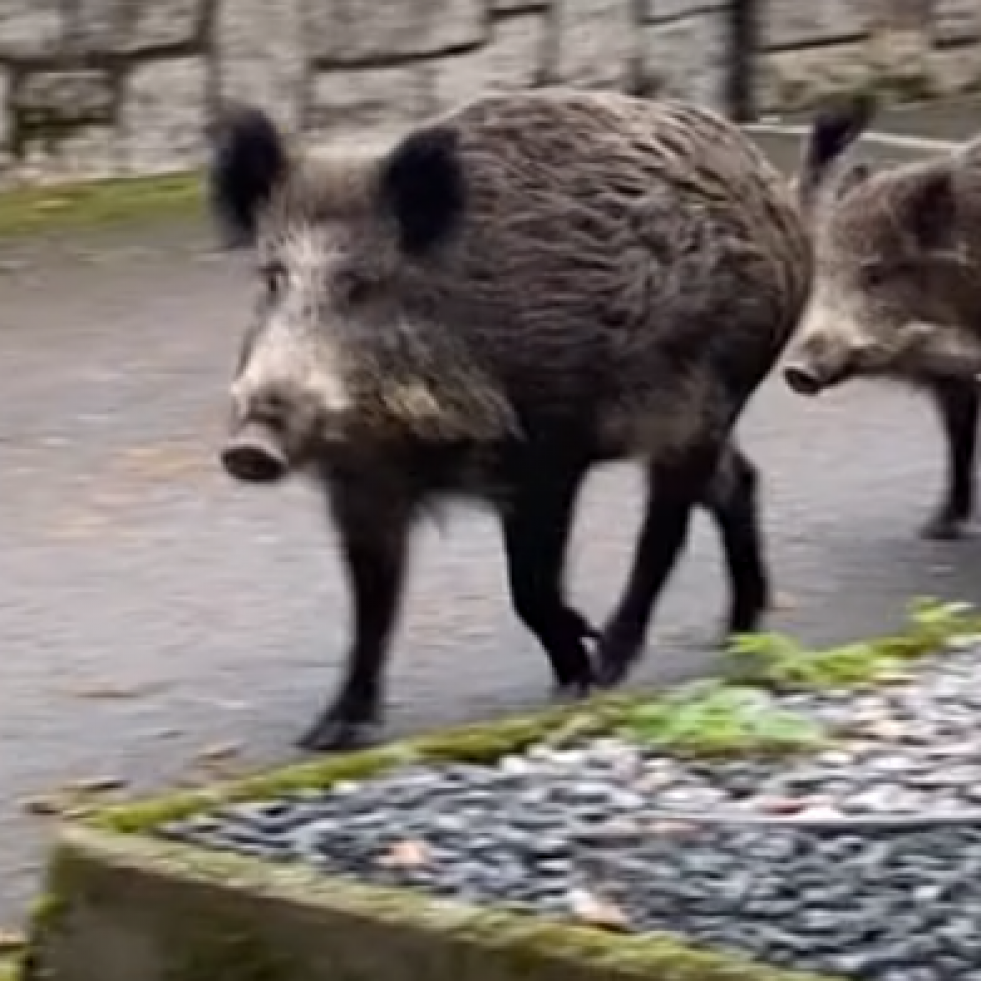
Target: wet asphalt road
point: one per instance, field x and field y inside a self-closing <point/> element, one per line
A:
<point x="150" y="609"/>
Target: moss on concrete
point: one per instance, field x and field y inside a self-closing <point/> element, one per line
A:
<point x="224" y="917"/>
<point x="475" y="744"/>
<point x="93" y="205"/>
<point x="193" y="914"/>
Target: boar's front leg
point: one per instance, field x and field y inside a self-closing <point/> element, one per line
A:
<point x="373" y="526"/>
<point x="732" y="500"/>
<point x="536" y="518"/>
<point x="674" y="489"/>
<point x="957" y="402"/>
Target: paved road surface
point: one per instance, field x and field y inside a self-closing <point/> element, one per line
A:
<point x="217" y="614"/>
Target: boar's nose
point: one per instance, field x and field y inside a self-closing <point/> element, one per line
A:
<point x="254" y="456"/>
<point x="802" y="379"/>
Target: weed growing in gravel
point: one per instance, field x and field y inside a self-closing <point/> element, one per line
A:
<point x="740" y="716"/>
<point x="777" y="661"/>
<point x="712" y="717"/>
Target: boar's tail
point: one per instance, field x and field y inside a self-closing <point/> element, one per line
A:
<point x="248" y="157"/>
<point x="834" y="129"/>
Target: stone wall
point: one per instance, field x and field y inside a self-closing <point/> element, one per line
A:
<point x="918" y="49"/>
<point x="92" y="88"/>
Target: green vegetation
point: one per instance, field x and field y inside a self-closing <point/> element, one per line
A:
<point x="98" y="204"/>
<point x="194" y="912"/>
<point x="780" y="662"/>
<point x="739" y="716"/>
<point x="711" y="718"/>
<point x="715" y="717"/>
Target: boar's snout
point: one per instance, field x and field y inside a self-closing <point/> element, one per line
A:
<point x="825" y="359"/>
<point x="254" y="455"/>
<point x="802" y="379"/>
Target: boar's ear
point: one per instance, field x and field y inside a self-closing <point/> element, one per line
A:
<point x="835" y="128"/>
<point x="422" y="186"/>
<point x="930" y="209"/>
<point x="248" y="159"/>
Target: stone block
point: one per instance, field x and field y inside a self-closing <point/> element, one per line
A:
<point x="160" y="24"/>
<point x="514" y="59"/>
<point x="687" y="58"/>
<point x="659" y="10"/>
<point x="87" y="152"/>
<point x="5" y="111"/>
<point x="348" y="33"/>
<point x="368" y="104"/>
<point x="957" y="22"/>
<point x="65" y="96"/>
<point x="163" y="116"/>
<point x="789" y="23"/>
<point x="597" y="43"/>
<point x="124" y="27"/>
<point x="788" y="80"/>
<point x="259" y="55"/>
<point x="518" y="6"/>
<point x="30" y="28"/>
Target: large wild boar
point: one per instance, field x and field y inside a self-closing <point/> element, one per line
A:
<point x="896" y="293"/>
<point x="521" y="289"/>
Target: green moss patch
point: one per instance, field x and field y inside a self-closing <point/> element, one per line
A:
<point x="165" y="912"/>
<point x="98" y="204"/>
<point x="705" y="718"/>
<point x="483" y="743"/>
<point x="121" y="904"/>
<point x="779" y="662"/>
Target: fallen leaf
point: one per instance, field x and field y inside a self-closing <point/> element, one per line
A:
<point x="219" y="751"/>
<point x="113" y="690"/>
<point x="672" y="828"/>
<point x="786" y="805"/>
<point x="48" y="806"/>
<point x="888" y="730"/>
<point x="11" y="941"/>
<point x="96" y="785"/>
<point x="598" y="911"/>
<point x="406" y="855"/>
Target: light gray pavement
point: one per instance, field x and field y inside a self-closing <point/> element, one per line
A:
<point x="218" y="614"/>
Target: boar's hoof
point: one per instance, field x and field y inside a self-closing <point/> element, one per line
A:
<point x="330" y="734"/>
<point x="944" y="528"/>
<point x="802" y="380"/>
<point x="253" y="458"/>
<point x="615" y="656"/>
<point x="567" y="692"/>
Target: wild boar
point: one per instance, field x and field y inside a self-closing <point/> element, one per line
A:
<point x="896" y="294"/>
<point x="519" y="290"/>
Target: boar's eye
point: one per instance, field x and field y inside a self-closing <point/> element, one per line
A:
<point x="273" y="275"/>
<point x="873" y="275"/>
<point x="352" y="286"/>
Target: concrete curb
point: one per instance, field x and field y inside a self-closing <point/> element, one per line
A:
<point x="874" y="137"/>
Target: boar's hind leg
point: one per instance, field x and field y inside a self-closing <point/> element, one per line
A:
<point x="674" y="489"/>
<point x="957" y="402"/>
<point x="732" y="500"/>
<point x="536" y="520"/>
<point x="373" y="529"/>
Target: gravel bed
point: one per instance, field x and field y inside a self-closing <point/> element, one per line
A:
<point x="595" y="832"/>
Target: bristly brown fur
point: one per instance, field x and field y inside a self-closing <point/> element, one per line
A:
<point x="895" y="297"/>
<point x="605" y="241"/>
<point x="527" y="286"/>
